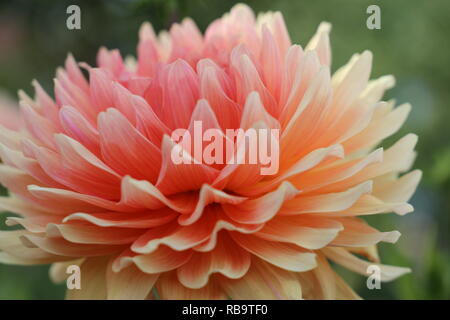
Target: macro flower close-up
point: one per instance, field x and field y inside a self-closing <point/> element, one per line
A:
<point x="92" y="183"/>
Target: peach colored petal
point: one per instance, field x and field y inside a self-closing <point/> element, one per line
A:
<point x="343" y="290"/>
<point x="355" y="264"/>
<point x="379" y="129"/>
<point x="398" y="158"/>
<point x="59" y="246"/>
<point x="24" y="208"/>
<point x="226" y="258"/>
<point x="285" y="256"/>
<point x="306" y="163"/>
<point x="316" y="179"/>
<point x="175" y="236"/>
<point x="290" y="75"/>
<point x="399" y="190"/>
<point x="307" y="231"/>
<point x="160" y="260"/>
<point x="15" y="180"/>
<point x="351" y="82"/>
<point x="376" y="88"/>
<point x="238" y="173"/>
<point x="93" y="280"/>
<point x="260" y="210"/>
<point x="124" y="220"/>
<point x="67" y="201"/>
<point x="58" y="270"/>
<point x="223" y="222"/>
<point x="254" y="111"/>
<point x="263" y="281"/>
<point x="320" y="42"/>
<point x="13" y="251"/>
<point x="92" y="235"/>
<point x="325" y="277"/>
<point x="36" y="224"/>
<point x="368" y="204"/>
<point x="128" y="284"/>
<point x="306" y="68"/>
<point x="271" y="62"/>
<point x="327" y="202"/>
<point x="307" y="116"/>
<point x="170" y="288"/>
<point x="357" y="233"/>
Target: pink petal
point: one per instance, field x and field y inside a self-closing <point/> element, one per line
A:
<point x="175" y="178"/>
<point x="79" y="128"/>
<point x="126" y="150"/>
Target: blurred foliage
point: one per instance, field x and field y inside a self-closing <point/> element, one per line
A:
<point x="412" y="45"/>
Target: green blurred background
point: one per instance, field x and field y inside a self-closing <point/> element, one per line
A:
<point x="412" y="45"/>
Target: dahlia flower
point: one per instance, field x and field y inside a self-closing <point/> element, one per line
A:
<point x="91" y="180"/>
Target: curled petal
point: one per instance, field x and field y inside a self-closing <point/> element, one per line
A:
<point x="125" y="149"/>
<point x="59" y="246"/>
<point x="346" y="259"/>
<point x="326" y="202"/>
<point x="307" y="231"/>
<point x="124" y="220"/>
<point x="357" y="233"/>
<point x="162" y="259"/>
<point x="181" y="177"/>
<point x="283" y="255"/>
<point x="170" y="288"/>
<point x="92" y="235"/>
<point x="226" y="258"/>
<point x="260" y="210"/>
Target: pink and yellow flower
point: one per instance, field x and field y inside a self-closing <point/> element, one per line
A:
<point x="91" y="177"/>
